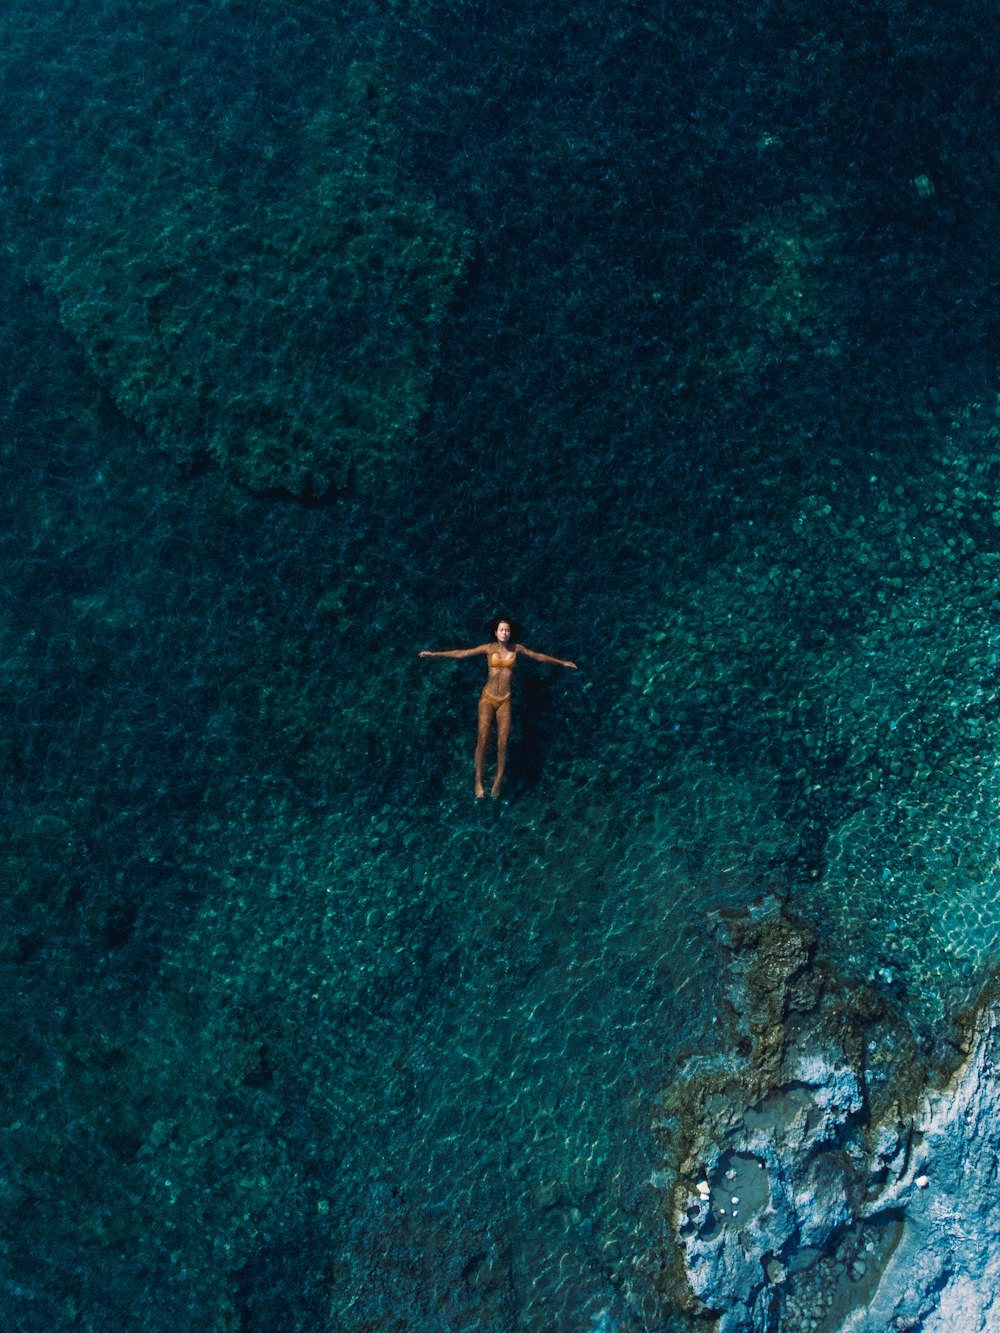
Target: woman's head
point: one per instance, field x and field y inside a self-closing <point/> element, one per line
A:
<point x="505" y="630"/>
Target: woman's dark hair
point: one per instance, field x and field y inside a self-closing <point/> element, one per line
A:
<point x="515" y="628"/>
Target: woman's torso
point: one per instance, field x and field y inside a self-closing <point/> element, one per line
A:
<point x="500" y="662"/>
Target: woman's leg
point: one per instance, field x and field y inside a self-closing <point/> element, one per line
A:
<point x="503" y="731"/>
<point x="482" y="736"/>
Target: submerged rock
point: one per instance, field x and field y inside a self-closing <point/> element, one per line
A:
<point x="262" y="284"/>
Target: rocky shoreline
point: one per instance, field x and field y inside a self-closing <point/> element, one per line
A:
<point x="837" y="1180"/>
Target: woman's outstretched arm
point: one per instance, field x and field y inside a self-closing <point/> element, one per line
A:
<point x="544" y="657"/>
<point x="457" y="652"/>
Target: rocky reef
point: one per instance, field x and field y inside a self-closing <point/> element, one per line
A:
<point x="251" y="276"/>
<point x="820" y="1186"/>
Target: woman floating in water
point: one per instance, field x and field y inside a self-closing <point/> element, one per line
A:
<point x="494" y="702"/>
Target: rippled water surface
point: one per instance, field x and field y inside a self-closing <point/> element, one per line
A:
<point x="328" y="338"/>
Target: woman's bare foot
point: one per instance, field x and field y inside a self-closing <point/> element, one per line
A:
<point x="495" y="789"/>
<point x="480" y="792"/>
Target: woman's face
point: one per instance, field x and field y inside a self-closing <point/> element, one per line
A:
<point x="503" y="632"/>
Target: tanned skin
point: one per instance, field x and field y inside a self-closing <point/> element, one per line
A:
<point x="494" y="702"/>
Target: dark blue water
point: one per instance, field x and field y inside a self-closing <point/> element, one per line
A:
<point x="327" y="338"/>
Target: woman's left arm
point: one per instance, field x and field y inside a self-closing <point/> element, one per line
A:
<point x="544" y="657"/>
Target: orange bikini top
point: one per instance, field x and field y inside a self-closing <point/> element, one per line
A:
<point x="496" y="661"/>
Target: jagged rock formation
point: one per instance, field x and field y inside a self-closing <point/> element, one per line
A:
<point x="944" y="1272"/>
<point x="818" y="1188"/>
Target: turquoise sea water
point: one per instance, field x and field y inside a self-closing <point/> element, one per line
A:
<point x="327" y="338"/>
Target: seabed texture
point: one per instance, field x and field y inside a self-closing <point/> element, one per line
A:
<point x="329" y="333"/>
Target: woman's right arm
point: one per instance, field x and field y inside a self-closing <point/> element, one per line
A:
<point x="457" y="652"/>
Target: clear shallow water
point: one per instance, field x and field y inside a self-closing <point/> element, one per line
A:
<point x="296" y="1034"/>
